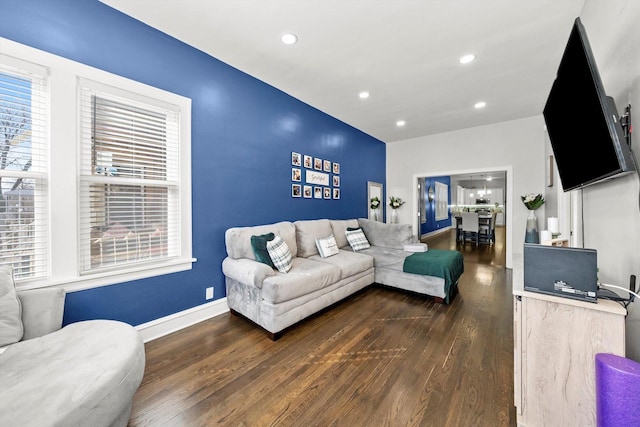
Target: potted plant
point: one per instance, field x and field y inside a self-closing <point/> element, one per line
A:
<point x="374" y="204"/>
<point x="394" y="203"/>
<point x="532" y="202"/>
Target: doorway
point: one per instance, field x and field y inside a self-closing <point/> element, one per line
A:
<point x="483" y="189"/>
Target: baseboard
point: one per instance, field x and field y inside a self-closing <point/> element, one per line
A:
<point x="434" y="232"/>
<point x="174" y="322"/>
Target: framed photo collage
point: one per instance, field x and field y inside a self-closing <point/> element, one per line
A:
<point x="314" y="178"/>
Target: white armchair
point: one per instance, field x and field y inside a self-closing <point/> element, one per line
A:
<point x="84" y="374"/>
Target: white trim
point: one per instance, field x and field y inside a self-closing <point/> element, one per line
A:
<point x="79" y="283"/>
<point x="183" y="319"/>
<point x="435" y="232"/>
<point x="64" y="167"/>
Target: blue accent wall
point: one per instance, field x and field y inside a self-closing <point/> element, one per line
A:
<point x="430" y="207"/>
<point x="243" y="133"/>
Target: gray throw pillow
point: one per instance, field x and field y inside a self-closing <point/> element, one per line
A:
<point x="11" y="329"/>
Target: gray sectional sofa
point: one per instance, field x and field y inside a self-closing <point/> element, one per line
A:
<point x="276" y="300"/>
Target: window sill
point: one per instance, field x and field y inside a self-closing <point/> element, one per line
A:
<point x="112" y="277"/>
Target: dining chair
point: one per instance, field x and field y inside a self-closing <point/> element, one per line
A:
<point x="458" y="220"/>
<point x="470" y="226"/>
<point x="487" y="230"/>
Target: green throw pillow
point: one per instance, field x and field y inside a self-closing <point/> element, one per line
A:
<point x="259" y="246"/>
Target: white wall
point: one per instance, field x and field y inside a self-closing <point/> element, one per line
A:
<point x="517" y="146"/>
<point x="611" y="210"/>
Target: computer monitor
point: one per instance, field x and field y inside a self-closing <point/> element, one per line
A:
<point x="561" y="271"/>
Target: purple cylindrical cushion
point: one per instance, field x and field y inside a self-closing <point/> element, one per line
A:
<point x="617" y="391"/>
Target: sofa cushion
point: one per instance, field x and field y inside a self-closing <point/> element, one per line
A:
<point x="357" y="240"/>
<point x="11" y="329"/>
<point x="259" y="246"/>
<point x="307" y="232"/>
<point x="327" y="246"/>
<point x="349" y="263"/>
<point x="238" y="239"/>
<point x="388" y="258"/>
<point x="279" y="254"/>
<point x="305" y="276"/>
<point x="387" y="235"/>
<point x="339" y="227"/>
<point x="42" y="311"/>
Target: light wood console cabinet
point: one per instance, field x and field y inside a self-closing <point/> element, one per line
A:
<point x="556" y="340"/>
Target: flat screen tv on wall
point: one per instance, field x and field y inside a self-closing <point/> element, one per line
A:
<point x="588" y="140"/>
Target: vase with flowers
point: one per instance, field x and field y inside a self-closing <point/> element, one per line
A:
<point x="395" y="203"/>
<point x="374" y="204"/>
<point x="532" y="202"/>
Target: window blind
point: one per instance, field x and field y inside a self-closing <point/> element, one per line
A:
<point x="23" y="168"/>
<point x="129" y="186"/>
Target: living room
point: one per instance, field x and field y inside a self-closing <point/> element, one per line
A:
<point x="243" y="132"/>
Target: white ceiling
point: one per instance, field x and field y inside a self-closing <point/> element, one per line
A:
<point x="404" y="52"/>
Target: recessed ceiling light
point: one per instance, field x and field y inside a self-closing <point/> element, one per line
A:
<point x="479" y="105"/>
<point x="363" y="95"/>
<point x="467" y="58"/>
<point x="289" y="38"/>
<point x="400" y="123"/>
<point x="489" y="178"/>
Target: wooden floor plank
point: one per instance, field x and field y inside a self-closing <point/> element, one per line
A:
<point x="380" y="358"/>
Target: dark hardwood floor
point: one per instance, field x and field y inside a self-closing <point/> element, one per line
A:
<point x="494" y="254"/>
<point x="380" y="358"/>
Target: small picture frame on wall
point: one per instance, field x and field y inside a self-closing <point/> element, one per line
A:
<point x="336" y="181"/>
<point x="308" y="162"/>
<point x="296" y="190"/>
<point x="296" y="174"/>
<point x="336" y="193"/>
<point x="317" y="164"/>
<point x="336" y="167"/>
<point x="307" y="191"/>
<point x="327" y="165"/>
<point x="317" y="192"/>
<point x="296" y="159"/>
<point x="550" y="171"/>
<point x="327" y="193"/>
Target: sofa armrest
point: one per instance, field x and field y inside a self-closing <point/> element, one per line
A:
<point x="246" y="271"/>
<point x="42" y="311"/>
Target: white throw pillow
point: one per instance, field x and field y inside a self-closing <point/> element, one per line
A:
<point x="11" y="329"/>
<point x="280" y="254"/>
<point x="357" y="240"/>
<point x="327" y="246"/>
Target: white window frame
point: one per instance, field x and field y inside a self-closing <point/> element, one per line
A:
<point x="38" y="171"/>
<point x="64" y="172"/>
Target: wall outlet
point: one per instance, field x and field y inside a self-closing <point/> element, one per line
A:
<point x="209" y="293"/>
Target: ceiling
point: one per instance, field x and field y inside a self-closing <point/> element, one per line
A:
<point x="403" y="52"/>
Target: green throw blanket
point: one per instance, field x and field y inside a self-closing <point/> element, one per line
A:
<point x="448" y="265"/>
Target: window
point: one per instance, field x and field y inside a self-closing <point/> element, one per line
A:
<point x="128" y="180"/>
<point x="23" y="179"/>
<point x="95" y="174"/>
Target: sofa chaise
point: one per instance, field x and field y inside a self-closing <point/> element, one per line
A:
<point x="276" y="300"/>
<point x="84" y="374"/>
